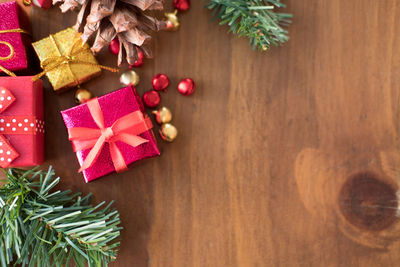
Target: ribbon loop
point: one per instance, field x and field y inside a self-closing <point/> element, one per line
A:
<point x="125" y="129"/>
<point x="12" y="50"/>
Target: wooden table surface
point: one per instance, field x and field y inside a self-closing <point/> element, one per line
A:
<point x="286" y="158"/>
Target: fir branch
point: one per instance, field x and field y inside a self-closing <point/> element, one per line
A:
<point x="43" y="227"/>
<point x="254" y="19"/>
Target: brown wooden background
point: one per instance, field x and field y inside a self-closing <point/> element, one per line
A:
<point x="266" y="143"/>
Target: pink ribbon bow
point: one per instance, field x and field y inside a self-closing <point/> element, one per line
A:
<point x="125" y="129"/>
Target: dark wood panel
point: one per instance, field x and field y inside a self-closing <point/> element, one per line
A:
<point x="266" y="144"/>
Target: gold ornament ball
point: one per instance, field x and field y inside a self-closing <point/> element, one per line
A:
<point x="163" y="115"/>
<point x="82" y="96"/>
<point x="172" y="21"/>
<point x="130" y="78"/>
<point x="168" y="132"/>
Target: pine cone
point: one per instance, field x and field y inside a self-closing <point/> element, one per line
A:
<point x="124" y="19"/>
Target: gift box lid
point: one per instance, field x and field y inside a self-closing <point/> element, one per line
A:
<point x="29" y="101"/>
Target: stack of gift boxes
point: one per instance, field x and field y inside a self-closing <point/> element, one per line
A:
<point x="107" y="133"/>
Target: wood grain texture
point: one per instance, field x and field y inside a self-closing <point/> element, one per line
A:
<point x="266" y="143"/>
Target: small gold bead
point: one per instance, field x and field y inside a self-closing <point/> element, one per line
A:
<point x="168" y="132"/>
<point x="82" y="96"/>
<point x="130" y="78"/>
<point x="172" y="21"/>
<point x="163" y="115"/>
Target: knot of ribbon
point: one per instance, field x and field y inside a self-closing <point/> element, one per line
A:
<point x="125" y="129"/>
<point x="11" y="125"/>
<point x="10" y="47"/>
<point x="68" y="58"/>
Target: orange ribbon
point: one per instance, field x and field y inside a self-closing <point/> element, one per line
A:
<point x="125" y="129"/>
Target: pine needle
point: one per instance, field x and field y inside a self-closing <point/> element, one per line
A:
<point x="43" y="228"/>
<point x="254" y="19"/>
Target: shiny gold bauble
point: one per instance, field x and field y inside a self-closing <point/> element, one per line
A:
<point x="172" y="21"/>
<point x="163" y="115"/>
<point x="130" y="78"/>
<point x="168" y="132"/>
<point x="82" y="96"/>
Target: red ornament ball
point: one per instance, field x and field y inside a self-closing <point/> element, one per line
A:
<point x="160" y="82"/>
<point x="139" y="62"/>
<point x="186" y="86"/>
<point x="182" y="5"/>
<point x="151" y="99"/>
<point x="114" y="46"/>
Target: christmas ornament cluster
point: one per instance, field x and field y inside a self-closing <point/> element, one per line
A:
<point x="68" y="61"/>
<point x="163" y="115"/>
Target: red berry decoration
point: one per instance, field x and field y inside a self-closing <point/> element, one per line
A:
<point x="114" y="46"/>
<point x="186" y="86"/>
<point x="139" y="62"/>
<point x="182" y="5"/>
<point x="160" y="82"/>
<point x="151" y="99"/>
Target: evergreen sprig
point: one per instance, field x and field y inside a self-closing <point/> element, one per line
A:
<point x="41" y="226"/>
<point x="255" y="19"/>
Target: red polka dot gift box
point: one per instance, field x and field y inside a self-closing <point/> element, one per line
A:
<point x="21" y="122"/>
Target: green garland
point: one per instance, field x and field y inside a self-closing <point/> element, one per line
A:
<point x="44" y="227"/>
<point x="254" y="19"/>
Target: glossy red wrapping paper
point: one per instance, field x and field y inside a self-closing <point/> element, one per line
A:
<point x="42" y="3"/>
<point x="114" y="106"/>
<point x="28" y="102"/>
<point x="10" y="20"/>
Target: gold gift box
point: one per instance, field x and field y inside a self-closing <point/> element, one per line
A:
<point x="66" y="60"/>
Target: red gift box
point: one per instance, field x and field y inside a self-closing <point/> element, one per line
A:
<point x="110" y="132"/>
<point x="21" y="122"/>
<point x="13" y="38"/>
